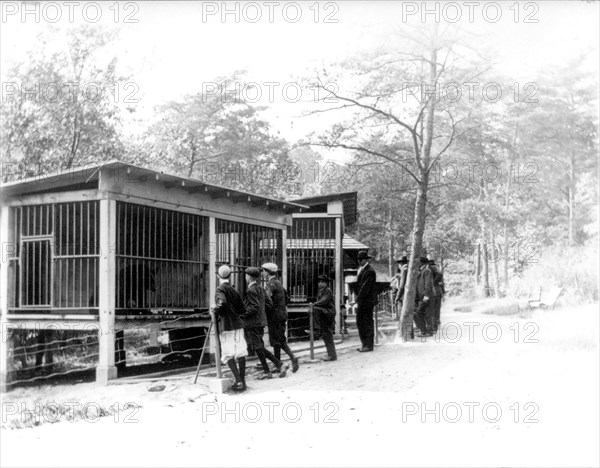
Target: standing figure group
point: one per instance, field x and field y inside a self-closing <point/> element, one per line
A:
<point x="428" y="300"/>
<point x="242" y="323"/>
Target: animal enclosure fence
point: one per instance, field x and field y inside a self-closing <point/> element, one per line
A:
<point x="311" y="252"/>
<point x="242" y="245"/>
<point x="53" y="258"/>
<point x="162" y="259"/>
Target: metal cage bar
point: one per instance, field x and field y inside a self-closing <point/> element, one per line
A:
<point x="311" y="252"/>
<point x="56" y="256"/>
<point x="159" y="259"/>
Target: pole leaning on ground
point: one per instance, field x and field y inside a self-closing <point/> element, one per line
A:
<point x="203" y="350"/>
<point x="217" y="343"/>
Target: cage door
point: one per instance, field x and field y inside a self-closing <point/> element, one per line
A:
<point x="36" y="273"/>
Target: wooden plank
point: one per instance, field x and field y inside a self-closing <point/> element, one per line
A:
<point x="212" y="271"/>
<point x="4" y="332"/>
<point x="284" y="270"/>
<point x="59" y="197"/>
<point x="106" y="369"/>
<point x="339" y="273"/>
<point x="56" y="324"/>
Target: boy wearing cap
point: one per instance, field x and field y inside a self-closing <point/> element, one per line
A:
<point x="229" y="307"/>
<point x="255" y="320"/>
<point x="277" y="315"/>
<point x="325" y="308"/>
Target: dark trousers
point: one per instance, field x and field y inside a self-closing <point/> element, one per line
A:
<point x="424" y="315"/>
<point x="327" y="328"/>
<point x="366" y="327"/>
<point x="437" y="305"/>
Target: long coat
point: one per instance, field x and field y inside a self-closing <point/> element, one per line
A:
<point x="365" y="284"/>
<point x="276" y="293"/>
<point x="325" y="302"/>
<point x="438" y="281"/>
<point x="255" y="303"/>
<point x="230" y="307"/>
<point x="425" y="282"/>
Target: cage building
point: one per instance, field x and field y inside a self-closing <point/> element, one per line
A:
<point x="116" y="246"/>
<point x="315" y="246"/>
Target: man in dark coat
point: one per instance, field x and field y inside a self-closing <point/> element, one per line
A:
<point x="366" y="299"/>
<point x="424" y="299"/>
<point x="229" y="307"/>
<point x="438" y="286"/>
<point x="324" y="307"/>
<point x="277" y="316"/>
<point x="255" y="319"/>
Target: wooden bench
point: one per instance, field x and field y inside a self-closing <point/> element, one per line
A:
<point x="547" y="299"/>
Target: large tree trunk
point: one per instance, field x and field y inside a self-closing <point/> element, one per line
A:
<point x="423" y="159"/>
<point x="410" y="291"/>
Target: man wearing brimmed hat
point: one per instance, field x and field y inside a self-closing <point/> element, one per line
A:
<point x="324" y="308"/>
<point x="277" y="315"/>
<point x="255" y="320"/>
<point x="229" y="307"/>
<point x="366" y="299"/>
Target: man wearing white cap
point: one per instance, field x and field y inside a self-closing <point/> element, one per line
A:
<point x="229" y="307"/>
<point x="277" y="316"/>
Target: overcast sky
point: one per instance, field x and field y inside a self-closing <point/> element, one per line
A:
<point x="176" y="46"/>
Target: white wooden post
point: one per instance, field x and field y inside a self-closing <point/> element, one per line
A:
<point x="212" y="259"/>
<point x="339" y="273"/>
<point x="106" y="369"/>
<point x="4" y="331"/>
<point x="284" y="271"/>
<point x="218" y="384"/>
<point x="212" y="274"/>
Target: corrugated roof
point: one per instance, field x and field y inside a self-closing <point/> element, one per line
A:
<point x="84" y="175"/>
<point x="348" y="199"/>
<point x="349" y="243"/>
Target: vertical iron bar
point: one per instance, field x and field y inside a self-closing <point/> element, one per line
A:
<point x="60" y="249"/>
<point x="143" y="262"/>
<point x="73" y="260"/>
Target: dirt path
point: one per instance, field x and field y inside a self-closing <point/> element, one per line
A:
<point x="528" y="397"/>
